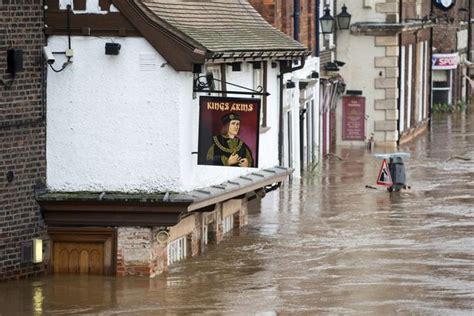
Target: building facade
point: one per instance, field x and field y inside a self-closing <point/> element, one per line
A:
<point x="22" y="136"/>
<point x="127" y="192"/>
<point x="301" y="119"/>
<point x="388" y="73"/>
<point x="451" y="59"/>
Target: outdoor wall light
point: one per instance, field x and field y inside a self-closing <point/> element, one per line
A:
<point x="339" y="63"/>
<point x="315" y="75"/>
<point x="331" y="66"/>
<point x="290" y="84"/>
<point x="343" y="19"/>
<point x="112" y="48"/>
<point x="327" y="22"/>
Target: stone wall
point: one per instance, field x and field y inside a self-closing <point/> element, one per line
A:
<point x="386" y="130"/>
<point x="22" y="136"/>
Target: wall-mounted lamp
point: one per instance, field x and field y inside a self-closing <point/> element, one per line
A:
<point x="343" y="19"/>
<point x="327" y="22"/>
<point x="290" y="84"/>
<point x="112" y="48"/>
<point x="315" y="75"/>
<point x="331" y="66"/>
<point x="339" y="63"/>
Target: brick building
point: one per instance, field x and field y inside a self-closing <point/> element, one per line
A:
<point x="306" y="129"/>
<point x="22" y="136"/>
<point x="450" y="42"/>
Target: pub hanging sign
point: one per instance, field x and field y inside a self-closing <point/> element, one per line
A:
<point x="444" y="4"/>
<point x="228" y="131"/>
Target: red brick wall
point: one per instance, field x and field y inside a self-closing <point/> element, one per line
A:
<point x="279" y="13"/>
<point x="22" y="136"/>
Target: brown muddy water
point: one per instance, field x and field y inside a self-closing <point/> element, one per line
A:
<point x="323" y="245"/>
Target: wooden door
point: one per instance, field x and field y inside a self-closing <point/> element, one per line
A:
<point x="78" y="257"/>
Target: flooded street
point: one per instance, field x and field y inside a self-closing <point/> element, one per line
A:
<point x="324" y="245"/>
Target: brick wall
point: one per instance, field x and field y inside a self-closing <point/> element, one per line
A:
<point x="279" y="13"/>
<point x="22" y="136"/>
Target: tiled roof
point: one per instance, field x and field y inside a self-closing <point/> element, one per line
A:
<point x="221" y="26"/>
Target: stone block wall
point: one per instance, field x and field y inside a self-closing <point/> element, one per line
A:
<point x="22" y="136"/>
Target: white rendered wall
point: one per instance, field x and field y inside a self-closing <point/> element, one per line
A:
<point x="129" y="122"/>
<point x="359" y="73"/>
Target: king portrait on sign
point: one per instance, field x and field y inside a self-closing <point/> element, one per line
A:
<point x="228" y="132"/>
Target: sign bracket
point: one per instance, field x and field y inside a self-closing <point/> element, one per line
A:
<point x="209" y="87"/>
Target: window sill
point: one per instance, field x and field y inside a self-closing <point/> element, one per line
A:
<point x="264" y="129"/>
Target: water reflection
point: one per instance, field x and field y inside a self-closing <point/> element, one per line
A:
<point x="325" y="244"/>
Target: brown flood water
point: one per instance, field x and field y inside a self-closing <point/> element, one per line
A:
<point x="324" y="245"/>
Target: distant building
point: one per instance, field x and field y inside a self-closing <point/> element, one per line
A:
<point x="451" y="58"/>
<point x="129" y="189"/>
<point x="301" y="140"/>
<point x="388" y="53"/>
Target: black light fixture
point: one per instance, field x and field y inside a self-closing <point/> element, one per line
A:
<point x="290" y="84"/>
<point x="339" y="63"/>
<point x="112" y="48"/>
<point x="331" y="66"/>
<point x="314" y="74"/>
<point x="327" y="22"/>
<point x="343" y="19"/>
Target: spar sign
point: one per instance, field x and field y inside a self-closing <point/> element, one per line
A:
<point x="445" y="61"/>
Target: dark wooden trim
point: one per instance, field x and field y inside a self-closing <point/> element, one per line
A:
<point x="97" y="213"/>
<point x="180" y="51"/>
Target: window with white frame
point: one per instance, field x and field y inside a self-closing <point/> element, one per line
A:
<point x="205" y="233"/>
<point x="216" y="73"/>
<point x="177" y="250"/>
<point x="228" y="224"/>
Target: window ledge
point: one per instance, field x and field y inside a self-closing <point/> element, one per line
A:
<point x="264" y="129"/>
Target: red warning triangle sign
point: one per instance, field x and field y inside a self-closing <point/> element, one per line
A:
<point x="384" y="178"/>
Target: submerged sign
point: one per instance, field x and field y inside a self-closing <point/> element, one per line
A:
<point x="228" y="131"/>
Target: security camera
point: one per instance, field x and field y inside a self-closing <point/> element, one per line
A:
<point x="48" y="55"/>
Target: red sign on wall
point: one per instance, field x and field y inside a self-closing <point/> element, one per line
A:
<point x="353" y="118"/>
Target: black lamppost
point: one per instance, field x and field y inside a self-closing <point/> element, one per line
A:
<point x="343" y="19"/>
<point x="327" y="22"/>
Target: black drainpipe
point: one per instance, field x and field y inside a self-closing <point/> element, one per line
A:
<point x="317" y="46"/>
<point x="285" y="67"/>
<point x="296" y="19"/>
<point x="469" y="57"/>
<point x="399" y="103"/>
